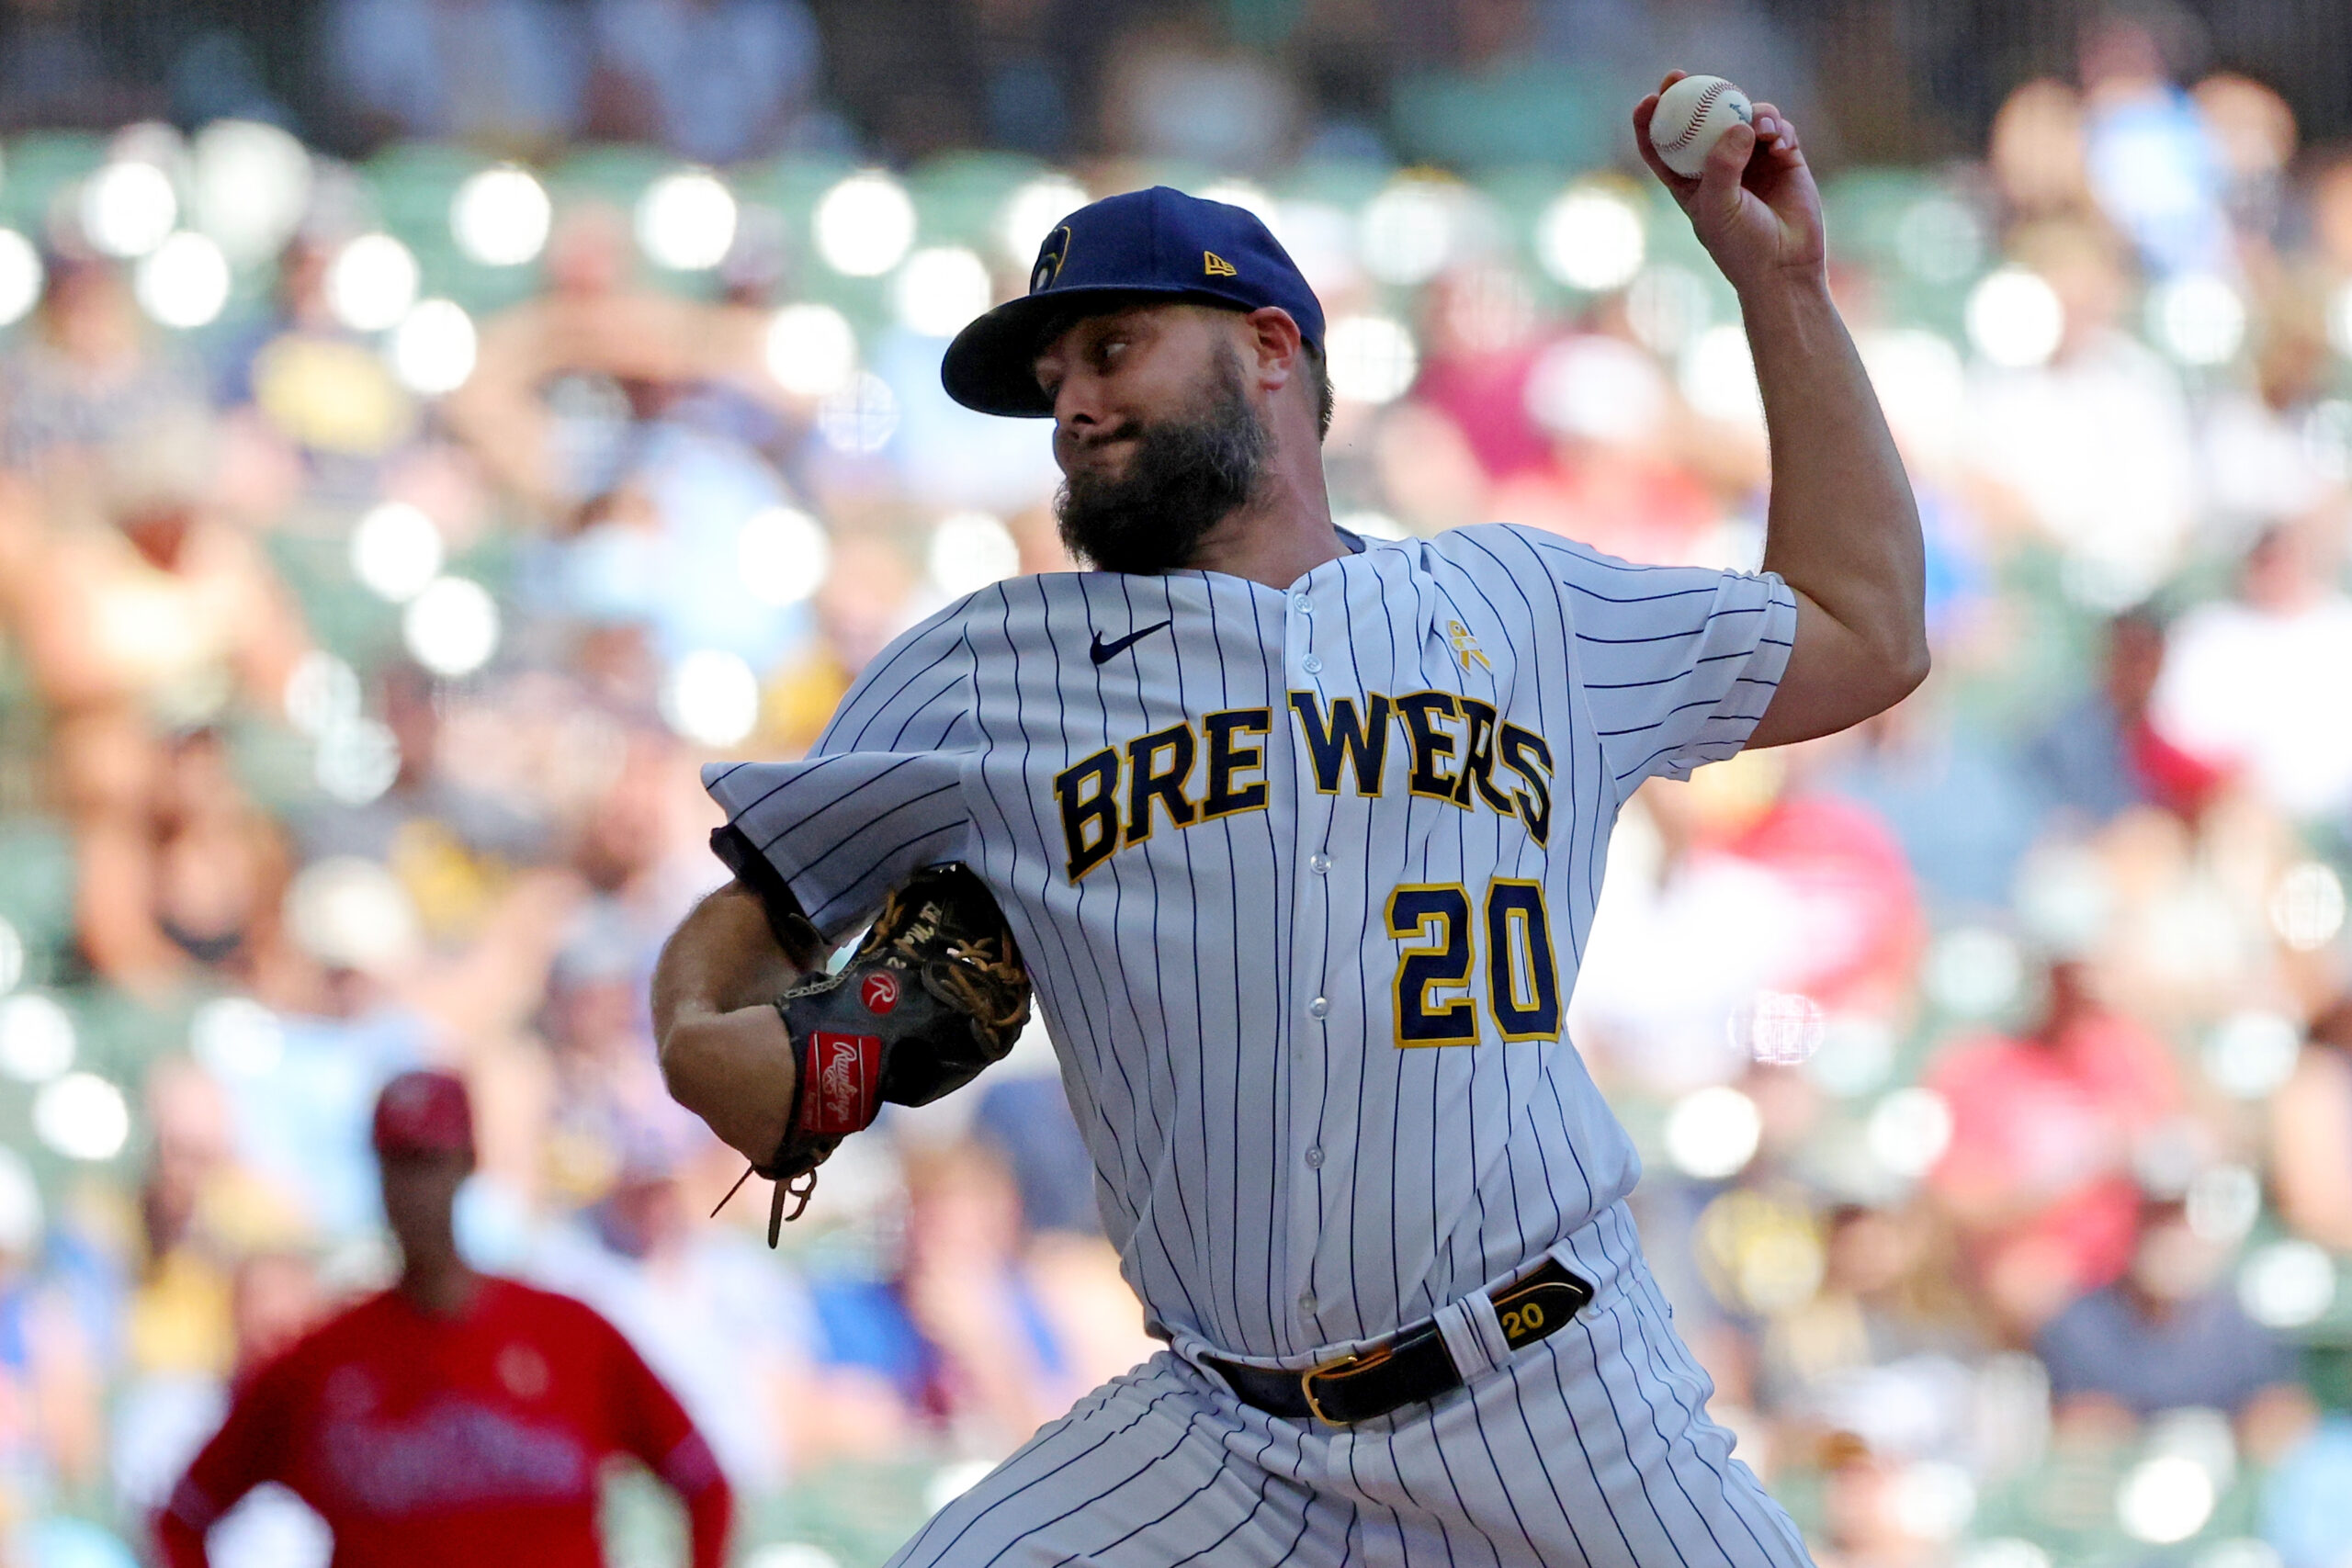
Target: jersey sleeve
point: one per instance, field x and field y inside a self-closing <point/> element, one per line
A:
<point x="1677" y="664"/>
<point x="648" y="1423"/>
<point x="249" y="1448"/>
<point x="880" y="796"/>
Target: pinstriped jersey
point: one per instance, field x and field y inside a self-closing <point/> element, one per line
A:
<point x="1303" y="878"/>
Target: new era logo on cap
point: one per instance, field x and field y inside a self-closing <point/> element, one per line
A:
<point x="1119" y="252"/>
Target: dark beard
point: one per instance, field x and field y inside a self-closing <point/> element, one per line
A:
<point x="1182" y="480"/>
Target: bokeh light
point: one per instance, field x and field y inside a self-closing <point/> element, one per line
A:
<point x="969" y="550"/>
<point x="236" y="1037"/>
<point x="2287" y="1284"/>
<point x="128" y="208"/>
<point x="2307" y="906"/>
<point x="2015" y="319"/>
<point x="784" y="555"/>
<point x="184" y="282"/>
<point x="251" y="184"/>
<point x="860" y="416"/>
<point x="20" y="277"/>
<point x="451" y="627"/>
<point x="1406" y="233"/>
<point x="711" y="698"/>
<point x="1974" y="971"/>
<point x="501" y="216"/>
<point x="1713" y="1132"/>
<point x="685" y="220"/>
<point x="434" y="348"/>
<point x="940" y="289"/>
<point x="865" y="225"/>
<point x="82" y="1117"/>
<point x="2199" y="318"/>
<point x="372" y="283"/>
<point x="2223" y="1202"/>
<point x="1371" y="359"/>
<point x="1030" y="213"/>
<point x="1908" y="1131"/>
<point x="1592" y="239"/>
<point x="1779" y="1028"/>
<point x="396" y="550"/>
<point x="1718" y="377"/>
<point x="2164" y="1499"/>
<point x="322" y="691"/>
<point x="811" y="350"/>
<point x="37" y="1037"/>
<point x="2249" y="1055"/>
<point x="1933" y="1499"/>
<point x="355" y="760"/>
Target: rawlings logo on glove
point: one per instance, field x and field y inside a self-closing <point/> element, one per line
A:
<point x="934" y="994"/>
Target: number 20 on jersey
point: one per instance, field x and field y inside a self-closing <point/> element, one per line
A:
<point x="1522" y="992"/>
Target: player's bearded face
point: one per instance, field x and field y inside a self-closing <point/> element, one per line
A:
<point x="1183" y="475"/>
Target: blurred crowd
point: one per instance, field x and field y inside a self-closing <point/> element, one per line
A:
<point x="385" y="541"/>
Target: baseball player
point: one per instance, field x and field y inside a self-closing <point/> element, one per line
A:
<point x="458" y="1418"/>
<point x="1299" y="836"/>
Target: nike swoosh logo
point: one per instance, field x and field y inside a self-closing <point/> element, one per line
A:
<point x="1104" y="652"/>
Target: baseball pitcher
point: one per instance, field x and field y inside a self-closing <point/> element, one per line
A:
<point x="1297" y="837"/>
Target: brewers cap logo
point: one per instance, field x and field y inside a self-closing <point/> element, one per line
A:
<point x="1050" y="256"/>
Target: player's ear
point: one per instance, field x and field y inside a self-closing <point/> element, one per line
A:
<point x="1275" y="340"/>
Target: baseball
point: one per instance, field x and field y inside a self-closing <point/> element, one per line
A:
<point x="1692" y="115"/>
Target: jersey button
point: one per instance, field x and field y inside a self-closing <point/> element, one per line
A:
<point x="1319" y="1007"/>
<point x="1315" y="1157"/>
<point x="1307" y="1303"/>
<point x="1301" y="603"/>
<point x="1318" y="862"/>
<point x="1311" y="664"/>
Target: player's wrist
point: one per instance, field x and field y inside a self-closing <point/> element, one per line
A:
<point x="1796" y="289"/>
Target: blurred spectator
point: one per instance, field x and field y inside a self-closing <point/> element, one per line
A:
<point x="1174" y="91"/>
<point x="457" y="1417"/>
<point x="2100" y="756"/>
<point x="2093" y="449"/>
<point x="2154" y="165"/>
<point x="89" y="371"/>
<point x="193" y="855"/>
<point x="959" y="1335"/>
<point x="2036" y="152"/>
<point x="2040" y="1172"/>
<point x="707" y="1309"/>
<point x="505" y="75"/>
<point x="2243" y="677"/>
<point x="716" y="81"/>
<point x="2170" y="1335"/>
<point x="50" y="1377"/>
<point x="2311" y="1123"/>
<point x="54" y="72"/>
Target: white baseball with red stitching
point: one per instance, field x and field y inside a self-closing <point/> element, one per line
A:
<point x="1691" y="117"/>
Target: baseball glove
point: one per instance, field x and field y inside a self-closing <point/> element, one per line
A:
<point x="935" y="994"/>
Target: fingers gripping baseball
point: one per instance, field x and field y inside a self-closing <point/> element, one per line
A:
<point x="1753" y="202"/>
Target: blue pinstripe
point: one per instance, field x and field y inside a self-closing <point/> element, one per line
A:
<point x="1203" y="1084"/>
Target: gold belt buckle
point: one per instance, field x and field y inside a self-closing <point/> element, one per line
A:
<point x="1354" y="1361"/>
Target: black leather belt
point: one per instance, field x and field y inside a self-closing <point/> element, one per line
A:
<point x="1408" y="1367"/>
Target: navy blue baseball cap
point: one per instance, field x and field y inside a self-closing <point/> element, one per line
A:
<point x="1121" y="251"/>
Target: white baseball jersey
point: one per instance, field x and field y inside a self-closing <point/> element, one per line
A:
<point x="1303" y="878"/>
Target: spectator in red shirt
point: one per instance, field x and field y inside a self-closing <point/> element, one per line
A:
<point x="2039" y="1172"/>
<point x="458" y="1418"/>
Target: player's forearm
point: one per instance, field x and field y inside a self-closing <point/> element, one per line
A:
<point x="723" y="1050"/>
<point x="1843" y="528"/>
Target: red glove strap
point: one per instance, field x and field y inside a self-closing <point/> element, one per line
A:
<point x="841" y="1087"/>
